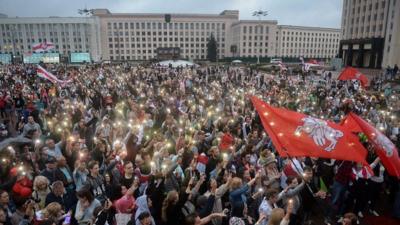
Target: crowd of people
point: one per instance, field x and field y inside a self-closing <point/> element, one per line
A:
<point x="152" y="145"/>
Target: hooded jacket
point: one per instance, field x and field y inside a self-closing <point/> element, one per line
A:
<point x="142" y="206"/>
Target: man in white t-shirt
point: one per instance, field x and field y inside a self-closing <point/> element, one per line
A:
<point x="268" y="203"/>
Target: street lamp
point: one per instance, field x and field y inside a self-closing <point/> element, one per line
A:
<point x="86" y="12"/>
<point x="260" y="13"/>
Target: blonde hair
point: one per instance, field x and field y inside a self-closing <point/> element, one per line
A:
<point x="171" y="198"/>
<point x="235" y="183"/>
<point x="38" y="180"/>
<point x="276" y="216"/>
<point x="52" y="211"/>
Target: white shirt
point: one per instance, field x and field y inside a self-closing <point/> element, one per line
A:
<point x="266" y="209"/>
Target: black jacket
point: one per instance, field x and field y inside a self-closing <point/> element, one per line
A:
<point x="54" y="175"/>
<point x="67" y="201"/>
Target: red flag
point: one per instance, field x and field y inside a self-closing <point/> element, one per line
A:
<point x="295" y="134"/>
<point x="351" y="73"/>
<point x="384" y="148"/>
<point x="227" y="141"/>
<point x="351" y="125"/>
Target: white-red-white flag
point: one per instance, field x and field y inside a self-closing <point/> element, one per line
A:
<point x="282" y="66"/>
<point x="41" y="72"/>
<point x="42" y="47"/>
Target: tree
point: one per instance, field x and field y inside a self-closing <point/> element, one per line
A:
<point x="212" y="49"/>
<point x="233" y="49"/>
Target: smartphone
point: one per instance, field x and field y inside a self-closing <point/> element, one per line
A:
<point x="67" y="219"/>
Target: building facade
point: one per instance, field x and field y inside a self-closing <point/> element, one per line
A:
<point x="140" y="36"/>
<point x="252" y="38"/>
<point x="137" y="36"/>
<point x="68" y="34"/>
<point x="309" y="42"/>
<point x="370" y="33"/>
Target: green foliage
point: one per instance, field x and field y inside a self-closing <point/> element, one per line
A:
<point x="212" y="49"/>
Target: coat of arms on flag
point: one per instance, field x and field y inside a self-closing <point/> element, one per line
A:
<point x="320" y="132"/>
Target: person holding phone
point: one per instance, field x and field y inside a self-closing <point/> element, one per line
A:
<point x="86" y="206"/>
<point x="104" y="214"/>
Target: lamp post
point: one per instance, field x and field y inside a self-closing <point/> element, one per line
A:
<point x="259" y="14"/>
<point x="86" y="12"/>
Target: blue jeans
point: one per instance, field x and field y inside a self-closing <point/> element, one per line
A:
<point x="338" y="197"/>
<point x="338" y="193"/>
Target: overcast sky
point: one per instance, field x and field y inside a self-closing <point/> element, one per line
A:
<point x="323" y="13"/>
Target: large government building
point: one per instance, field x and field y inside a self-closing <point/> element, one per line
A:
<point x="68" y="34"/>
<point x="370" y="33"/>
<point x="145" y="36"/>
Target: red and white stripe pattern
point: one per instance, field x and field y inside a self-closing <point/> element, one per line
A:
<point x="42" y="47"/>
<point x="363" y="173"/>
<point x="41" y="72"/>
<point x="282" y="66"/>
<point x="307" y="65"/>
